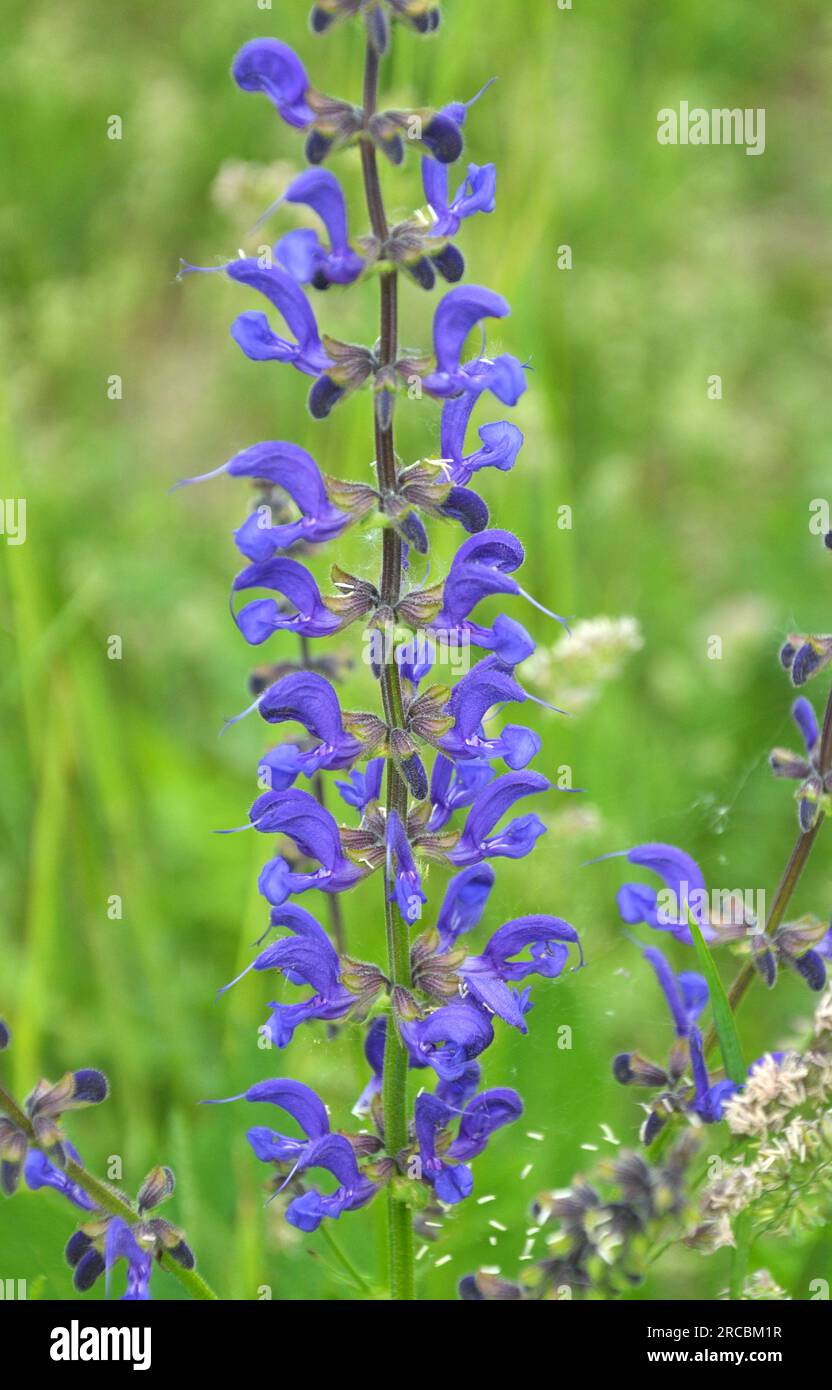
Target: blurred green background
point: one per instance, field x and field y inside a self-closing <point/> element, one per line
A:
<point x="690" y="515"/>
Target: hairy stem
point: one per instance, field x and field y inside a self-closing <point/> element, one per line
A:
<point x="798" y="860"/>
<point x="400" y="1224"/>
<point x="108" y="1199"/>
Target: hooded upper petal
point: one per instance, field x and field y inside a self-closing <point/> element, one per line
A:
<point x="272" y="67"/>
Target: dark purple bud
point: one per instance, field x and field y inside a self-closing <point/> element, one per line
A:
<point x="652" y="1127"/>
<point x="621" y="1069"/>
<point x="765" y="963"/>
<point x="631" y="1069"/>
<point x="467" y="1289"/>
<point x="325" y="394"/>
<point x="318" y="146"/>
<point x="394" y="149"/>
<point x="378" y="30"/>
<point x="807" y="813"/>
<point x="413" y="532"/>
<point x="466" y="507"/>
<point x="787" y="652"/>
<point x="450" y="263"/>
<point x="806" y="662"/>
<point x="9" y="1177"/>
<point x="386" y="138"/>
<point x="413" y="771"/>
<point x="89" y="1268"/>
<point x="183" y="1254"/>
<point x="443" y="138"/>
<point x="319" y="20"/>
<point x="5" y="1036"/>
<point x="813" y="969"/>
<point x="422" y="272"/>
<point x="827" y="540"/>
<point x="90" y="1087"/>
<point x="76" y="1247"/>
<point x="427" y="23"/>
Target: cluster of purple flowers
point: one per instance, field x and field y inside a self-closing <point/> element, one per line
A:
<point x="683" y="1084"/>
<point x="445" y="1017"/>
<point x="34" y="1145"/>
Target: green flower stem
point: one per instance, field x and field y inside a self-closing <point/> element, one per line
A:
<point x="400" y="1225"/>
<point x="110" y="1200"/>
<point x="791" y="877"/>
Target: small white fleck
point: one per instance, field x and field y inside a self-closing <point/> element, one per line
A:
<point x="608" y="1135"/>
<point x="492" y="1240"/>
<point x="524" y="1172"/>
<point x="533" y="1134"/>
<point x="445" y="1260"/>
<point x="492" y="1269"/>
<point x="422" y="1251"/>
<point x="481" y="1201"/>
<point x="590" y="1148"/>
<point x="533" y="1231"/>
<point x="434" y="1225"/>
<point x="496" y="1226"/>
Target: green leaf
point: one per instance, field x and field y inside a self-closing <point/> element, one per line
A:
<point x="724" y="1021"/>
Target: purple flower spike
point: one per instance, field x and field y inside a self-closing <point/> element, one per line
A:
<point x="259" y="619"/>
<point x="301" y="252"/>
<point x="487" y="976"/>
<point x="518" y="838"/>
<point x="271" y="67"/>
<point x="457" y="313"/>
<point x="295" y="471"/>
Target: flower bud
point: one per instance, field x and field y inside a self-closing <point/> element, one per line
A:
<point x="156" y="1188"/>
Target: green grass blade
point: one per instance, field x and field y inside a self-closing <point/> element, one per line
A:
<point x="724" y="1021"/>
